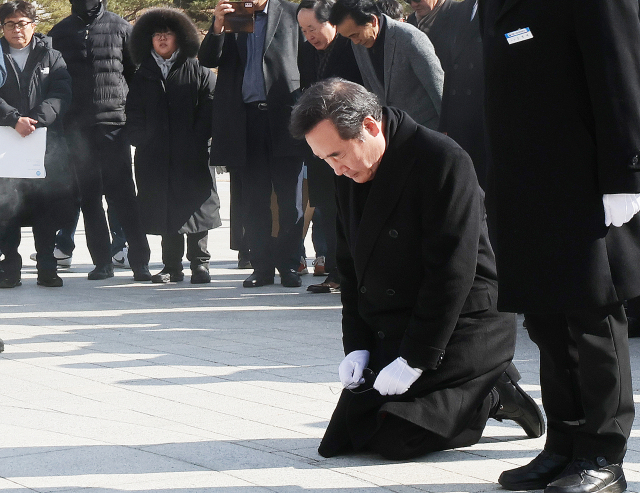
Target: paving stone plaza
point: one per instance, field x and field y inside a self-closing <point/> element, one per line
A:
<point x="117" y="386"/>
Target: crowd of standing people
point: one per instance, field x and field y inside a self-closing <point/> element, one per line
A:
<point x="401" y="128"/>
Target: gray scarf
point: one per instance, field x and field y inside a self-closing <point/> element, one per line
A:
<point x="165" y="64"/>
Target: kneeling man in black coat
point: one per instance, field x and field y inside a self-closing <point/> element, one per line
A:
<point x="428" y="356"/>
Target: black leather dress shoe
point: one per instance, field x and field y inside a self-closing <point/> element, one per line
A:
<point x="537" y="474"/>
<point x="49" y="279"/>
<point x="256" y="280"/>
<point x="165" y="276"/>
<point x="587" y="476"/>
<point x="141" y="273"/>
<point x="515" y="404"/>
<point x="101" y="272"/>
<point x="200" y="275"/>
<point x="10" y="282"/>
<point x="290" y="279"/>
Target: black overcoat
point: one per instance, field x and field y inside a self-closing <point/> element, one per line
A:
<point x="341" y="63"/>
<point x="41" y="91"/>
<point x="419" y="281"/>
<point x="462" y="116"/>
<point x="228" y="52"/>
<point x="563" y="114"/>
<point x="169" y="123"/>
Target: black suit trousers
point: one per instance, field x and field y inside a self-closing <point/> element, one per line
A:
<point x="263" y="173"/>
<point x="101" y="159"/>
<point x="585" y="377"/>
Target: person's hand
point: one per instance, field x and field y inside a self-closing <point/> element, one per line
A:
<point x="220" y="170"/>
<point x="26" y="126"/>
<point x="619" y="208"/>
<point x="351" y="368"/>
<point x="396" y="377"/>
<point x="219" y="12"/>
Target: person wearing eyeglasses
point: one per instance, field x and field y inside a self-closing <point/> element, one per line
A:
<point x="169" y="108"/>
<point x="36" y="94"/>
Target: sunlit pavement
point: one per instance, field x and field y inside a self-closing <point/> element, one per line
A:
<point x="115" y="385"/>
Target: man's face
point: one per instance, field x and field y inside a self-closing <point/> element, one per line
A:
<point x="354" y="158"/>
<point x="18" y="30"/>
<point x="361" y="35"/>
<point x="422" y="7"/>
<point x="259" y="4"/>
<point x="164" y="43"/>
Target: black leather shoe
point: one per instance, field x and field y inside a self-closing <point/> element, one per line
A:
<point x="515" y="404"/>
<point x="290" y="279"/>
<point x="1" y="345"/>
<point x="256" y="280"/>
<point x="200" y="275"/>
<point x="141" y="273"/>
<point x="101" y="272"/>
<point x="587" y="476"/>
<point x="10" y="282"/>
<point x="49" y="279"/>
<point x="166" y="275"/>
<point x="537" y="474"/>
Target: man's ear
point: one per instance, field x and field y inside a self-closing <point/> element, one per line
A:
<point x="375" y="21"/>
<point x="371" y="125"/>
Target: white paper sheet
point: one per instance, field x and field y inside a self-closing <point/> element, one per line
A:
<point x="22" y="157"/>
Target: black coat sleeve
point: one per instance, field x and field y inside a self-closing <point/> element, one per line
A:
<point x="211" y="48"/>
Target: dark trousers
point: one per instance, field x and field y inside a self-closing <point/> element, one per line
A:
<point x="101" y="159"/>
<point x="585" y="377"/>
<point x="173" y="250"/>
<point x="262" y="174"/>
<point x="44" y="236"/>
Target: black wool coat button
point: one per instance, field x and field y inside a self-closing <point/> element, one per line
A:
<point x="381" y="334"/>
<point x="363" y="290"/>
<point x="390" y="292"/>
<point x="393" y="233"/>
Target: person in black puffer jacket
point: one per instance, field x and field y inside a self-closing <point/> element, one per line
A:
<point x="92" y="42"/>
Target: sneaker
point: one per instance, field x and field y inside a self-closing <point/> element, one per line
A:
<point x="302" y="268"/>
<point x="318" y="266"/>
<point x="121" y="259"/>
<point x="62" y="258"/>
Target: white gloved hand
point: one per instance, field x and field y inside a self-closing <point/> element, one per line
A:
<point x="220" y="170"/>
<point x="396" y="377"/>
<point x="619" y="208"/>
<point x="351" y="368"/>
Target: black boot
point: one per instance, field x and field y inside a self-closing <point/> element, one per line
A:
<point x="101" y="272"/>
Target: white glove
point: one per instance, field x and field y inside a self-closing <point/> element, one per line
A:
<point x="351" y="368"/>
<point x="619" y="208"/>
<point x="220" y="170"/>
<point x="396" y="377"/>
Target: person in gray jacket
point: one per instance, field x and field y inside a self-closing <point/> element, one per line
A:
<point x="396" y="60"/>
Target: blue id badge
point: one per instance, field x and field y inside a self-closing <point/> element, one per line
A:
<point x="519" y="35"/>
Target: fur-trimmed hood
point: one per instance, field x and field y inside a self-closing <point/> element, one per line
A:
<point x="151" y="21"/>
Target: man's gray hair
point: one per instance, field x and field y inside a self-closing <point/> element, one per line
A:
<point x="344" y="103"/>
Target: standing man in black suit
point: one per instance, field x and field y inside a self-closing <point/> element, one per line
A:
<point x="418" y="283"/>
<point x="563" y="113"/>
<point x="258" y="83"/>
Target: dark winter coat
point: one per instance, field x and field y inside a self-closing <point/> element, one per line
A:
<point x="99" y="66"/>
<point x="462" y="116"/>
<point x="563" y="114"/>
<point x="341" y="63"/>
<point x="420" y="282"/>
<point x="228" y="52"/>
<point x="169" y="123"/>
<point x="42" y="91"/>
